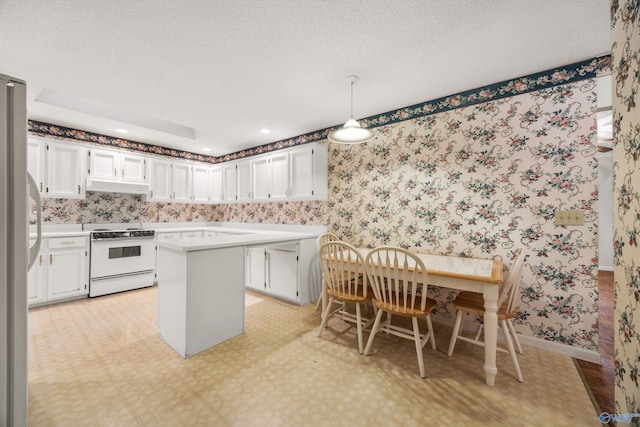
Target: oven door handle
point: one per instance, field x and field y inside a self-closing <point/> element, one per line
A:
<point x="135" y="273"/>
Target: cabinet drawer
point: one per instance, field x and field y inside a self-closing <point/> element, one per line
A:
<point x="66" y="242"/>
<point x="167" y="236"/>
<point x="191" y="234"/>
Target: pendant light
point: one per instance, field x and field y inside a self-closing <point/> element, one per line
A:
<point x="351" y="132"/>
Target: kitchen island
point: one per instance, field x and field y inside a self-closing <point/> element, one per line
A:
<point x="201" y="284"/>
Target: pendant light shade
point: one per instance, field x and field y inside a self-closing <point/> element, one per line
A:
<point x="351" y="132"/>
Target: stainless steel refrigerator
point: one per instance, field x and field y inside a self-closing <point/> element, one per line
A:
<point x="14" y="251"/>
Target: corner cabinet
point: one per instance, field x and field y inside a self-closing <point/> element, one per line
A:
<point x="298" y="173"/>
<point x="61" y="271"/>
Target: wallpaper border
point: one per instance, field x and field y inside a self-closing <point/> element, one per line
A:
<point x="562" y="75"/>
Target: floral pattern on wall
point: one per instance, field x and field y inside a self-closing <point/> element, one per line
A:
<point x="625" y="21"/>
<point x="481" y="181"/>
<point x="101" y="208"/>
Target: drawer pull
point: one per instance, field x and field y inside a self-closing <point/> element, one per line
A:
<point x="40" y="262"/>
<point x="68" y="243"/>
<point x="50" y="259"/>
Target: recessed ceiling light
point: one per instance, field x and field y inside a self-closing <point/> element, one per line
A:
<point x="206" y="149"/>
<point x="120" y="130"/>
<point x="265" y="131"/>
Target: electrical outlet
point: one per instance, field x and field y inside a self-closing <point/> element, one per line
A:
<point x="569" y="217"/>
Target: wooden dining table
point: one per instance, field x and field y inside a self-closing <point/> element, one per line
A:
<point x="467" y="274"/>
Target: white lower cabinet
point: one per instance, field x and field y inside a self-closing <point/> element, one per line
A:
<point x="273" y="269"/>
<point x="61" y="270"/>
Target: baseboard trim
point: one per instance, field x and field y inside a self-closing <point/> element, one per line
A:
<point x="554" y="347"/>
<point x="564" y="349"/>
<point x="605" y="268"/>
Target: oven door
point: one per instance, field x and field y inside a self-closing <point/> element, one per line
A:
<point x="118" y="257"/>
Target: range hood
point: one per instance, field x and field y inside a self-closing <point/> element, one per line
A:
<point x="108" y="186"/>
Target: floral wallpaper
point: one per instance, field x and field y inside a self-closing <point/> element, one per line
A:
<point x="625" y="21"/>
<point x="481" y="181"/>
<point x="479" y="173"/>
<point x="100" y="208"/>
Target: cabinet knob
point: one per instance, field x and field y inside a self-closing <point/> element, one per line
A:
<point x="40" y="261"/>
<point x="50" y="259"/>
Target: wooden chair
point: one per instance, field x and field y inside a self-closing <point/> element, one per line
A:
<point x="324" y="238"/>
<point x="346" y="282"/>
<point x="399" y="281"/>
<point x="471" y="302"/>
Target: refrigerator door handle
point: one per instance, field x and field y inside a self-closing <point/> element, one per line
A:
<point x="35" y="195"/>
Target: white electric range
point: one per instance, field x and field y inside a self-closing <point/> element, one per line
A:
<point x="122" y="257"/>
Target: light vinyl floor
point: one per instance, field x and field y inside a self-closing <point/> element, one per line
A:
<point x="100" y="362"/>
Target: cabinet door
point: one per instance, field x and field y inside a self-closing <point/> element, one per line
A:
<point x="217" y="184"/>
<point x="36" y="162"/>
<point x="66" y="273"/>
<point x="65" y="170"/>
<point x="255" y="269"/>
<point x="281" y="176"/>
<point x="282" y="273"/>
<point x="160" y="181"/>
<point x="230" y="181"/>
<point x="201" y="184"/>
<point x="243" y="176"/>
<point x="133" y="168"/>
<point x="103" y="164"/>
<point x="261" y="168"/>
<point x="181" y="176"/>
<point x="302" y="173"/>
<point x="36" y="280"/>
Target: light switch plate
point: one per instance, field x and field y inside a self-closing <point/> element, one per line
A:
<point x="569" y="217"/>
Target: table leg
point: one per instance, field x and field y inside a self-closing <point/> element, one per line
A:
<point x="490" y="294"/>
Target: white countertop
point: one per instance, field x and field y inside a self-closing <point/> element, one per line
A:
<point x="256" y="237"/>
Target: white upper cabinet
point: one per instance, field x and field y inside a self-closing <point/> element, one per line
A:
<point x="181" y="177"/>
<point x="261" y="178"/>
<point x="201" y="188"/>
<point x="280" y="175"/>
<point x="243" y="183"/>
<point x="110" y="165"/>
<point x="230" y="182"/>
<point x="160" y="181"/>
<point x="307" y="173"/>
<point x="298" y="173"/>
<point x="36" y="162"/>
<point x="65" y="164"/>
<point x="217" y="184"/>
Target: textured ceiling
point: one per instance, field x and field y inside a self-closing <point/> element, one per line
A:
<point x="218" y="71"/>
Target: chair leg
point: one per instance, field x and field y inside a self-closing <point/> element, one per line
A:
<point x="512" y="352"/>
<point x="430" y="332"/>
<point x="516" y="341"/>
<point x="359" y="327"/>
<point x="325" y="316"/>
<point x="416" y="338"/>
<point x="318" y="303"/>
<point x="478" y="332"/>
<point x="374" y="331"/>
<point x="456" y="332"/>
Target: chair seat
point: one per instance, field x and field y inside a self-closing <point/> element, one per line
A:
<point x="358" y="297"/>
<point x="414" y="311"/>
<point x="473" y="302"/>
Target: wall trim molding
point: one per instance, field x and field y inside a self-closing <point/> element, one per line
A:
<point x="577" y="71"/>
